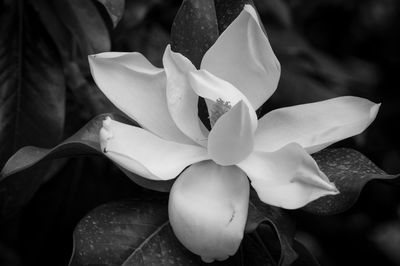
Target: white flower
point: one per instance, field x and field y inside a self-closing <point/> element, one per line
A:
<point x="209" y="200"/>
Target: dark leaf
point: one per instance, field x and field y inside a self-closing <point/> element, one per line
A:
<point x="228" y="10"/>
<point x="17" y="182"/>
<point x="115" y="8"/>
<point x="55" y="28"/>
<point x="193" y="32"/>
<point x="32" y="98"/>
<point x="283" y="229"/>
<point x="137" y="232"/>
<point x="84" y="21"/>
<point x="194" y="29"/>
<point x="305" y="258"/>
<point x="134" y="232"/>
<point x="350" y="171"/>
<point x="275" y="11"/>
<point x="32" y="85"/>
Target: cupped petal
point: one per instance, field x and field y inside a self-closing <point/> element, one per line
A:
<point x="287" y="178"/>
<point x="231" y="139"/>
<point x="315" y="125"/>
<point x="207" y="209"/>
<point x="134" y="61"/>
<point x="145" y="154"/>
<point x="137" y="88"/>
<point x="243" y="56"/>
<point x="213" y="89"/>
<point x="182" y="100"/>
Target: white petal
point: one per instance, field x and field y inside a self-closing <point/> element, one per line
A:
<point x="287" y="178"/>
<point x="231" y="139"/>
<point x="182" y="100"/>
<point x="316" y="125"/>
<point x="213" y="88"/>
<point x="208" y="209"/>
<point x="243" y="56"/>
<point x="145" y="154"/>
<point x="138" y="89"/>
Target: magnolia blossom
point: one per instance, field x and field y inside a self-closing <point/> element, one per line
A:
<point x="208" y="202"/>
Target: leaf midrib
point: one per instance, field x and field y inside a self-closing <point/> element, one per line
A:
<point x="147" y="240"/>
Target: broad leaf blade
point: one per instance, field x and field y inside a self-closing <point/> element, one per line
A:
<point x="126" y="233"/>
<point x="350" y="171"/>
<point x="194" y="29"/>
<point x="115" y="9"/>
<point x="137" y="232"/>
<point x="85" y="23"/>
<point x="228" y="10"/>
<point x="32" y="98"/>
<point x="193" y="32"/>
<point x="19" y="178"/>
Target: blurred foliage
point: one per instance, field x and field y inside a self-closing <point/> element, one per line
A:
<point x="326" y="48"/>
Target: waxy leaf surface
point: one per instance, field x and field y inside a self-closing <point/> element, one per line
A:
<point x="350" y="171"/>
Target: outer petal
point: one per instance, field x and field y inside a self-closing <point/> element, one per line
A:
<point x="137" y="88"/>
<point x="145" y="154"/>
<point x="316" y="125"/>
<point x="208" y="209"/>
<point x="231" y="139"/>
<point x="182" y="100"/>
<point x="243" y="56"/>
<point x="213" y="88"/>
<point x="287" y="178"/>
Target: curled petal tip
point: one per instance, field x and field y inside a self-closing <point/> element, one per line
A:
<point x="374" y="110"/>
<point x="331" y="188"/>
<point x="107" y="123"/>
<point x="106" y="132"/>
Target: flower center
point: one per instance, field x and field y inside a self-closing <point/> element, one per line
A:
<point x="219" y="108"/>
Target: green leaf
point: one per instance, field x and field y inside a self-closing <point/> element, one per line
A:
<point x="194" y="29"/>
<point x="261" y="213"/>
<point x="115" y="9"/>
<point x="17" y="185"/>
<point x="350" y="171"/>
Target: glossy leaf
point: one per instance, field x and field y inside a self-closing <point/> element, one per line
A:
<point x="137" y="232"/>
<point x="351" y="171"/>
<point x="261" y="213"/>
<point x="134" y="232"/>
<point x="115" y="9"/>
<point x="17" y="184"/>
<point x="228" y="10"/>
<point x="32" y="99"/>
<point x="194" y="29"/>
<point x="193" y="32"/>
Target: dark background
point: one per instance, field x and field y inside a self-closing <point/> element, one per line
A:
<point x="327" y="48"/>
